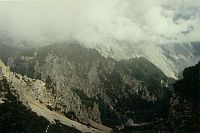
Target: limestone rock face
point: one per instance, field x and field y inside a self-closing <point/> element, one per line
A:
<point x="40" y="104"/>
<point x="24" y="86"/>
<point x="62" y="99"/>
<point x="171" y="58"/>
<point x="78" y="81"/>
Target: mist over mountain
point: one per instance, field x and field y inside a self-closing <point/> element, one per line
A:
<point x="99" y="66"/>
<point x="99" y="22"/>
<point x="118" y="29"/>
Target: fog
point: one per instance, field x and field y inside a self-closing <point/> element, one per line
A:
<point x="99" y="21"/>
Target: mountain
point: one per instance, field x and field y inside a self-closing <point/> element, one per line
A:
<point x="98" y="90"/>
<point x="185" y="103"/>
<point x="88" y="87"/>
<point x="24" y="107"/>
<point x="171" y="58"/>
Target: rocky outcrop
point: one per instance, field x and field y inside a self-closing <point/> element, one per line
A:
<point x="82" y="83"/>
<point x="34" y="95"/>
<point x="185" y="104"/>
<point x="171" y="58"/>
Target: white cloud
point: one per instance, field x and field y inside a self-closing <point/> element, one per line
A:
<point x="96" y="21"/>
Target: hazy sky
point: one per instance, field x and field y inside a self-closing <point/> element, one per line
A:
<point x="97" y="21"/>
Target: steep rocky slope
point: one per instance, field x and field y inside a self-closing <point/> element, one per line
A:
<point x="16" y="117"/>
<point x="84" y="85"/>
<point x="171" y="58"/>
<point x="128" y="94"/>
<point x="25" y="96"/>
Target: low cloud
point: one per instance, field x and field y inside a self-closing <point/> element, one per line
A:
<point x="101" y="21"/>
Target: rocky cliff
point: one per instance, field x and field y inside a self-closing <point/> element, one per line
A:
<point x="84" y="85"/>
<point x="171" y="58"/>
<point x="185" y="104"/>
<point x="31" y="97"/>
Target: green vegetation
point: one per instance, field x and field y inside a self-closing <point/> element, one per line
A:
<point x="87" y="101"/>
<point x="15" y="117"/>
<point x="186" y="99"/>
<point x="189" y="86"/>
<point x="71" y="115"/>
<point x="7" y="51"/>
<point x="50" y="85"/>
<point x="24" y="68"/>
<point x="142" y="69"/>
<point x="108" y="116"/>
<point x="125" y="103"/>
<point x="60" y="128"/>
<point x="129" y="105"/>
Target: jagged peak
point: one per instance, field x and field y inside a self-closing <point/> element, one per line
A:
<point x="4" y="71"/>
<point x="3" y="66"/>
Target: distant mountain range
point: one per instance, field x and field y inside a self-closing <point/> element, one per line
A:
<point x="171" y="58"/>
<point x="123" y="87"/>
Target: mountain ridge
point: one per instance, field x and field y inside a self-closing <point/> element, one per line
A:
<point x="83" y="82"/>
<point x="29" y="92"/>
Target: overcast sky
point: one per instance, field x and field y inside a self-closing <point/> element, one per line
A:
<point x="96" y="21"/>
